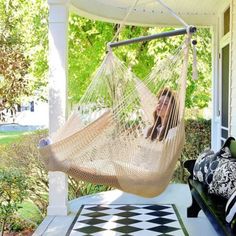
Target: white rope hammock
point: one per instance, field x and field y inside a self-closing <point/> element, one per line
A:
<point x="106" y="141"/>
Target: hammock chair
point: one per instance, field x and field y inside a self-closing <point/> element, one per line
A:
<point x="104" y="141"/>
<point x="112" y="137"/>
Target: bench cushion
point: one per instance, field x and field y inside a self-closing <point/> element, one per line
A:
<point x="216" y="204"/>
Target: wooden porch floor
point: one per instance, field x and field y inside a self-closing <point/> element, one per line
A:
<point x="178" y="194"/>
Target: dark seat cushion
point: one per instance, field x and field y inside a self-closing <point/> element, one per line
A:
<point x="215" y="204"/>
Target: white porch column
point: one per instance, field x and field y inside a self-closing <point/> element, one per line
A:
<point x="58" y="25"/>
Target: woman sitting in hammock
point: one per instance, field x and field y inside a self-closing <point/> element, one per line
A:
<point x="165" y="116"/>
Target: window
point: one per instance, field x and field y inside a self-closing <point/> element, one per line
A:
<point x="227" y="21"/>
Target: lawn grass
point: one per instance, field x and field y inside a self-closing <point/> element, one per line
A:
<point x="7" y="137"/>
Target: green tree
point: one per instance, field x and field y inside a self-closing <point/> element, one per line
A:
<point x="23" y="49"/>
<point x="87" y="46"/>
<point x="13" y="68"/>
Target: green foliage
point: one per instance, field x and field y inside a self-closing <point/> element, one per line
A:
<point x="198" y="138"/>
<point x="79" y="188"/>
<point x="87" y="44"/>
<point x="23" y="50"/>
<point x="144" y="55"/>
<point x="13" y="67"/>
<point x="13" y="190"/>
<point x="23" y="155"/>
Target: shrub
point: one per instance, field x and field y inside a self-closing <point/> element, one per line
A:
<point x="24" y="155"/>
<point x="78" y="188"/>
<point x="13" y="190"/>
<point x="198" y="138"/>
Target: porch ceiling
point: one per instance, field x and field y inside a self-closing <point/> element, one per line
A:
<point x="150" y="12"/>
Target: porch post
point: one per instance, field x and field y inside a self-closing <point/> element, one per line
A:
<point x="58" y="25"/>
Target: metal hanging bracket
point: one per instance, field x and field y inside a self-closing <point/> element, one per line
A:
<point x="190" y="29"/>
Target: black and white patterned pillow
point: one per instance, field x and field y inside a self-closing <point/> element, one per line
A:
<point x="202" y="165"/>
<point x="230" y="209"/>
<point x="224" y="178"/>
<point x="207" y="163"/>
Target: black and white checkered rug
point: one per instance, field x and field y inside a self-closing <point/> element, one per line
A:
<point x="127" y="220"/>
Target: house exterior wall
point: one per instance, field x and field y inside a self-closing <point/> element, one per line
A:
<point x="233" y="71"/>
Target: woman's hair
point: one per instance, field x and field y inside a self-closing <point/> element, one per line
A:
<point x="172" y="118"/>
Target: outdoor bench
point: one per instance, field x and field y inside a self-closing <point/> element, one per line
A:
<point x="213" y="206"/>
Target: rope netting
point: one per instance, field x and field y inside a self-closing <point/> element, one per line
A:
<point x="127" y="133"/>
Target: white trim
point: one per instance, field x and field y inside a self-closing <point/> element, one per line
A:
<point x="222" y="139"/>
<point x="224" y="128"/>
<point x="225" y="40"/>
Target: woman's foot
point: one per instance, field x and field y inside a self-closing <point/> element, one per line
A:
<point x="44" y="142"/>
